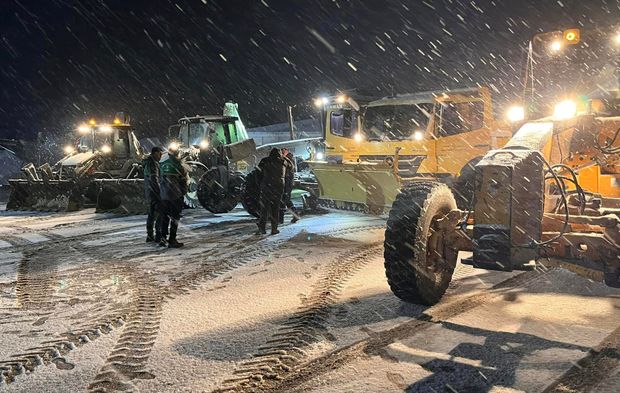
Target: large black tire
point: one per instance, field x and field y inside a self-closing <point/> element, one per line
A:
<point x="214" y="195"/>
<point x="414" y="275"/>
<point x="251" y="192"/>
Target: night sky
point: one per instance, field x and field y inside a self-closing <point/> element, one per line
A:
<point x="62" y="61"/>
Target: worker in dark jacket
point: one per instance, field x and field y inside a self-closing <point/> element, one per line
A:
<point x="289" y="178"/>
<point x="273" y="171"/>
<point x="151" y="192"/>
<point x="173" y="187"/>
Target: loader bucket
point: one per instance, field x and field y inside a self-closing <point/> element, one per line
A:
<point x="51" y="195"/>
<point x="121" y="196"/>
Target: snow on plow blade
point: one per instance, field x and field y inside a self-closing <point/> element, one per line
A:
<point x="121" y="196"/>
<point x="51" y="195"/>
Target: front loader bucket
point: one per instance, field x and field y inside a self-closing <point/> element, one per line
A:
<point x="121" y="196"/>
<point x="51" y="195"/>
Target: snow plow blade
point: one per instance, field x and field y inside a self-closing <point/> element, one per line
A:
<point x="121" y="196"/>
<point x="51" y="195"/>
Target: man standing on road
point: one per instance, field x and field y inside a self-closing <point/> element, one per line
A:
<point x="273" y="170"/>
<point x="174" y="186"/>
<point x="288" y="187"/>
<point x="151" y="192"/>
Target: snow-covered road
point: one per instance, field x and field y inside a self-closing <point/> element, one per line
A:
<point x="86" y="305"/>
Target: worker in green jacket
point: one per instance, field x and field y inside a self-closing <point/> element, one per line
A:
<point x="173" y="187"/>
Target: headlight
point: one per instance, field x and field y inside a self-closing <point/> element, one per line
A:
<point x="617" y="38"/>
<point x="69" y="150"/>
<point x="83" y="129"/>
<point x="418" y="135"/>
<point x="515" y="114"/>
<point x="341" y="99"/>
<point x="320" y="156"/>
<point x="321" y="101"/>
<point x="174" y="146"/>
<point x="105" y="149"/>
<point x="555" y="46"/>
<point x="565" y="110"/>
<point x="358" y="137"/>
<point x="105" y="128"/>
<point x="204" y="144"/>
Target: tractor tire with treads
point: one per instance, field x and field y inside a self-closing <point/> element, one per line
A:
<point x="415" y="273"/>
<point x="219" y="191"/>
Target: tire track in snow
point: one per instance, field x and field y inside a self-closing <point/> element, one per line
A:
<point x="591" y="370"/>
<point x="128" y="359"/>
<point x="378" y="341"/>
<point x="130" y="355"/>
<point x="285" y="349"/>
<point x="52" y="351"/>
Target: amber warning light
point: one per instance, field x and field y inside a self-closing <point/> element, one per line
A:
<point x="572" y="36"/>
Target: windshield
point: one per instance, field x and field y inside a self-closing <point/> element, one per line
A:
<point x="395" y="122"/>
<point x="561" y="69"/>
<point x="85" y="142"/>
<point x="117" y="140"/>
<point x="193" y="133"/>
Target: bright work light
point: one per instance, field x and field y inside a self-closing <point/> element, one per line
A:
<point x="565" y="110"/>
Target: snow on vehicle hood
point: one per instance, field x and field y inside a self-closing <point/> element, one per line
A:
<point x="77" y="159"/>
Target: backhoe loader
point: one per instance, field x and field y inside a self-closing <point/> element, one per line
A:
<point x="103" y="151"/>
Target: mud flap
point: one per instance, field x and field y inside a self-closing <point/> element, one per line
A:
<point x="121" y="196"/>
<point x="51" y="195"/>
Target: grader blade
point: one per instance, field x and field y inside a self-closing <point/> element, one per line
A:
<point x="51" y="195"/>
<point x="121" y="196"/>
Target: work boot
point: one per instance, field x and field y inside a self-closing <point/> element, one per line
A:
<point x="261" y="230"/>
<point x="295" y="215"/>
<point x="150" y="239"/>
<point x="174" y="244"/>
<point x="162" y="243"/>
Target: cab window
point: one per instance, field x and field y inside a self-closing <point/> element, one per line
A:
<point x="456" y="118"/>
<point x="395" y="122"/>
<point x="342" y="123"/>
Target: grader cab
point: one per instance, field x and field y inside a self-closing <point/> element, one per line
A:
<point x="374" y="148"/>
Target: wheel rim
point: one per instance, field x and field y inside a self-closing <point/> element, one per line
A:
<point x="439" y="258"/>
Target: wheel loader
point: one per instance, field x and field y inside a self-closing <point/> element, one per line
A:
<point x="550" y="196"/>
<point x="101" y="151"/>
<point x="373" y="148"/>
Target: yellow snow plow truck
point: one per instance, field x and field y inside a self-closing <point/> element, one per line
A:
<point x="551" y="195"/>
<point x="101" y="151"/>
<point x="375" y="148"/>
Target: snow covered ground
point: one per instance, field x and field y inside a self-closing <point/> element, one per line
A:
<point x="87" y="305"/>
